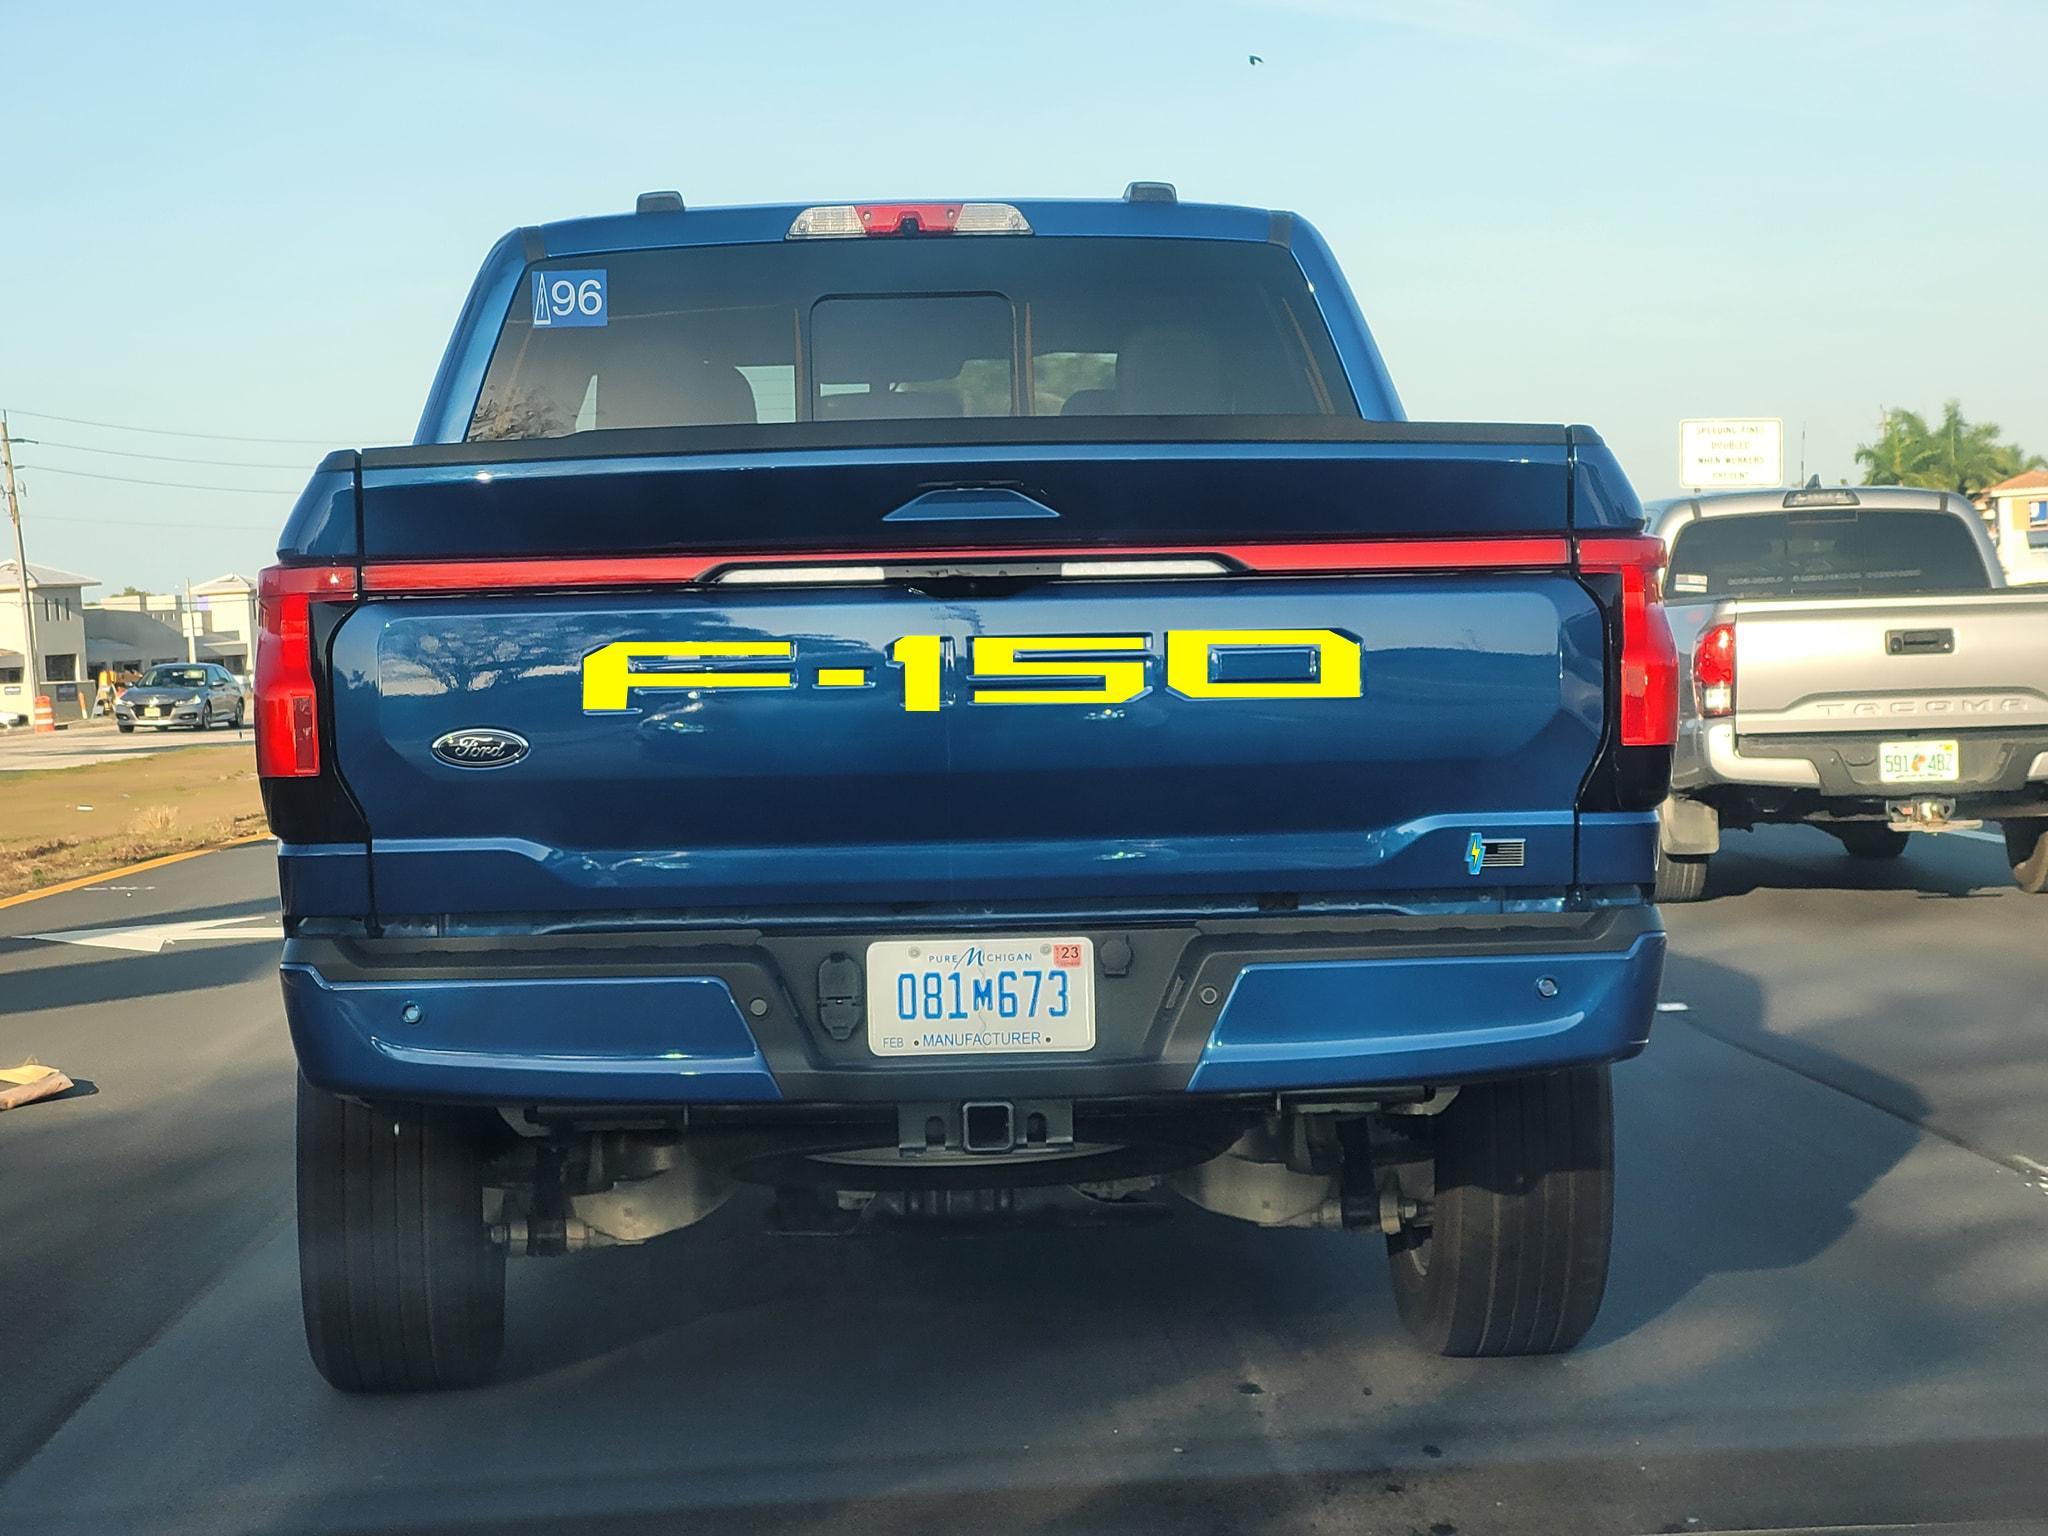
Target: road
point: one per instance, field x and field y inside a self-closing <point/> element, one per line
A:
<point x="1827" y="1306"/>
<point x="84" y="742"/>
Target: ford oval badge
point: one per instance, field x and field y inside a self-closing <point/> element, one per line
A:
<point x="479" y="747"/>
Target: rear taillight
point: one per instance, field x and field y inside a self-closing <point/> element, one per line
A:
<point x="287" y="697"/>
<point x="1713" y="670"/>
<point x="1649" y="656"/>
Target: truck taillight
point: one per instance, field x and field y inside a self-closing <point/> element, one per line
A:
<point x="287" y="698"/>
<point x="1713" y="670"/>
<point x="1649" y="656"/>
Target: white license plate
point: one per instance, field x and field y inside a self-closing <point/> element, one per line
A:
<point x="980" y="996"/>
<point x="1919" y="762"/>
<point x="152" y="711"/>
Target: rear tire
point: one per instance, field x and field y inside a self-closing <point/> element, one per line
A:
<point x="2026" y="847"/>
<point x="1870" y="840"/>
<point x="402" y="1288"/>
<point x="1681" y="876"/>
<point x="1515" y="1260"/>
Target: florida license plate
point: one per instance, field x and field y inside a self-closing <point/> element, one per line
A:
<point x="980" y="996"/>
<point x="1919" y="762"/>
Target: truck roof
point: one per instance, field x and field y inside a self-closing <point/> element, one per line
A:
<point x="1783" y="497"/>
<point x="767" y="223"/>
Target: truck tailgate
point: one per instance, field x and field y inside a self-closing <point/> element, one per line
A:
<point x="1878" y="663"/>
<point x="1478" y="712"/>
<point x="1267" y="722"/>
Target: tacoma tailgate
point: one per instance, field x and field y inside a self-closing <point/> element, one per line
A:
<point x="1955" y="662"/>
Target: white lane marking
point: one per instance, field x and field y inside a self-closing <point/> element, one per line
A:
<point x="1674" y="1008"/>
<point x="154" y="938"/>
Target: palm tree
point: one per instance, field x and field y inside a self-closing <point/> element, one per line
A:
<point x="1901" y="454"/>
<point x="1955" y="454"/>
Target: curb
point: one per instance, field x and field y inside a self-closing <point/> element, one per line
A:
<point x="130" y="869"/>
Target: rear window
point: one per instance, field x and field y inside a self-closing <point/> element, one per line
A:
<point x="910" y="329"/>
<point x="175" y="677"/>
<point x="1831" y="553"/>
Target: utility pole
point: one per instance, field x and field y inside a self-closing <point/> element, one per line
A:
<point x="28" y="612"/>
<point x="191" y="625"/>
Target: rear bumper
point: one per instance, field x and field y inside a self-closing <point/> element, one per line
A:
<point x="1844" y="764"/>
<point x="1247" y="1006"/>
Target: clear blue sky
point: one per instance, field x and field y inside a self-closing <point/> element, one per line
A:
<point x="260" y="221"/>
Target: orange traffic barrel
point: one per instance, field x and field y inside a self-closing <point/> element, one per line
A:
<point x="45" y="714"/>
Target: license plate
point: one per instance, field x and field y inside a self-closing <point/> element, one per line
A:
<point x="152" y="711"/>
<point x="1919" y="762"/>
<point x="980" y="996"/>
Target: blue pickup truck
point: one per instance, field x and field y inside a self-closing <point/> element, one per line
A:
<point x="954" y="711"/>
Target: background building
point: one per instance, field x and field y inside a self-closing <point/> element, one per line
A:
<point x="2017" y="510"/>
<point x="59" y="607"/>
<point x="215" y="620"/>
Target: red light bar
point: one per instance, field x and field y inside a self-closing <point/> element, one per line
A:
<point x="907" y="218"/>
<point x="1534" y="553"/>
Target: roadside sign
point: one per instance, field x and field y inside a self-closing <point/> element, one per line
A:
<point x="1731" y="453"/>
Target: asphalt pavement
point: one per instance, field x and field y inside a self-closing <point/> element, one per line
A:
<point x="81" y="743"/>
<point x="1829" y="1303"/>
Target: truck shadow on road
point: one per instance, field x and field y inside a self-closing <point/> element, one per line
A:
<point x="45" y="976"/>
<point x="1744" y="1160"/>
<point x="1785" y="858"/>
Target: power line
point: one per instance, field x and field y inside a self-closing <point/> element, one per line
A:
<point x="212" y="437"/>
<point x="137" y="522"/>
<point x="170" y="485"/>
<point x="164" y="458"/>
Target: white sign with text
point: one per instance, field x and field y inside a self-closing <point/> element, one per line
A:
<point x="1731" y="453"/>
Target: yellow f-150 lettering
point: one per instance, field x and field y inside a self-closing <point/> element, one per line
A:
<point x="1059" y="669"/>
<point x="608" y="672"/>
<point x="1191" y="654"/>
<point x="1103" y="682"/>
<point x="920" y="657"/>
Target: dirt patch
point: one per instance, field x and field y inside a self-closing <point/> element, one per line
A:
<point x="57" y="824"/>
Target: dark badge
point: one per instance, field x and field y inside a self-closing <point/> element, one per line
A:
<point x="479" y="747"/>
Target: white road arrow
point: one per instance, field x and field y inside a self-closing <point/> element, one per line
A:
<point x="154" y="938"/>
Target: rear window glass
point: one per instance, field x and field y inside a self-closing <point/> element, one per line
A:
<point x="1852" y="553"/>
<point x="909" y="329"/>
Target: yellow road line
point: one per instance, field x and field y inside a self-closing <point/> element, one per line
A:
<point x="129" y="869"/>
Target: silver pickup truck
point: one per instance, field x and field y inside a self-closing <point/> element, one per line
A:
<point x="1856" y="662"/>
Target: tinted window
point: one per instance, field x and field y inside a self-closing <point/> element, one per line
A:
<point x="175" y="677"/>
<point x="1848" y="553"/>
<point x="913" y="328"/>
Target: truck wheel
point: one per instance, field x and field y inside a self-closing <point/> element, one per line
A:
<point x="1514" y="1261"/>
<point x="1681" y="876"/>
<point x="2026" y="845"/>
<point x="402" y="1288"/>
<point x="1868" y="840"/>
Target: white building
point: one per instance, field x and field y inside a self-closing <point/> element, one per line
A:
<point x="56" y="597"/>
<point x="2017" y="510"/>
<point x="218" y="622"/>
